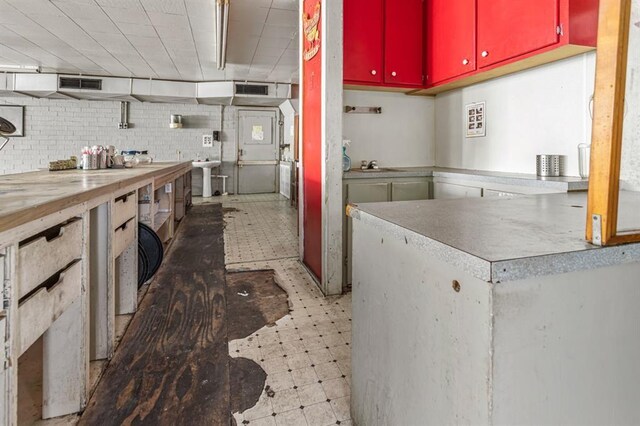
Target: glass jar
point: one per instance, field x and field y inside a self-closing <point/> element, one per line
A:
<point x="144" y="158"/>
<point x="130" y="158"/>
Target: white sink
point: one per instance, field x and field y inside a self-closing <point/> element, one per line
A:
<point x="206" y="167"/>
<point x="206" y="164"/>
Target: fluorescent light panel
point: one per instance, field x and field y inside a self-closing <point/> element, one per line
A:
<point x="222" y="30"/>
<point x="19" y="68"/>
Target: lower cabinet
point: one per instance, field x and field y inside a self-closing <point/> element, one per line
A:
<point x="409" y="191"/>
<point x="377" y="190"/>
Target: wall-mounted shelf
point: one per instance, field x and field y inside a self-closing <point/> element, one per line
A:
<point x="362" y="110"/>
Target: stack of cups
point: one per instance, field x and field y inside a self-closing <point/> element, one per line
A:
<point x="584" y="155"/>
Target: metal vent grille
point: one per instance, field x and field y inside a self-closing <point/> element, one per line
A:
<point x="80" y="83"/>
<point x="252" y="89"/>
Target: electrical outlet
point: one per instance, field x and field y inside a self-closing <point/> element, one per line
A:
<point x="207" y="141"/>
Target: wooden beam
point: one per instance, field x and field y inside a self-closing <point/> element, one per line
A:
<point x="606" y="143"/>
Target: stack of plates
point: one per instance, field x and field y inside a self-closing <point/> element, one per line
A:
<point x="150" y="253"/>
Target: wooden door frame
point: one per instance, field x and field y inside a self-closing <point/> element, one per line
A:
<point x="608" y="117"/>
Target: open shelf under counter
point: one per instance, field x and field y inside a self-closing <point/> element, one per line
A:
<point x="159" y="219"/>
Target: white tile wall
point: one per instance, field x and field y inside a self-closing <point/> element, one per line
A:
<point x="56" y="129"/>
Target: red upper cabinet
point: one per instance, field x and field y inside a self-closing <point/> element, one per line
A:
<point x="404" y="47"/>
<point x="363" y="41"/>
<point x="510" y="28"/>
<point x="469" y="41"/>
<point x="451" y="39"/>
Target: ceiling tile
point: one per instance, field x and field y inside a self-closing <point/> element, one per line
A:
<point x="132" y="15"/>
<point x="284" y="18"/>
<point x="278" y="31"/>
<point x="123" y="4"/>
<point x="285" y="4"/>
<point x="104" y="25"/>
<point x="74" y="9"/>
<point x="175" y="7"/>
<point x="137" y="30"/>
<point x="152" y="38"/>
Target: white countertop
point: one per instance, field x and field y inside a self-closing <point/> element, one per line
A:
<point x="564" y="183"/>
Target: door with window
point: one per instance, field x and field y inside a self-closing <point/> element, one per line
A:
<point x="257" y="151"/>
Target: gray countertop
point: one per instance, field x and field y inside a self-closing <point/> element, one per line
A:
<point x="566" y="183"/>
<point x="506" y="239"/>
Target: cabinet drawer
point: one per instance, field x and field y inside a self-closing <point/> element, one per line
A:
<point x="124" y="208"/>
<point x="47" y="253"/>
<point x="124" y="236"/>
<point x="42" y="308"/>
<point x="450" y="190"/>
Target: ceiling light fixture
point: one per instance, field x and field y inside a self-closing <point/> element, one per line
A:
<point x="20" y="68"/>
<point x="222" y="29"/>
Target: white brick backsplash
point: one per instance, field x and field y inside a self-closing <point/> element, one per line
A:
<point x="57" y="129"/>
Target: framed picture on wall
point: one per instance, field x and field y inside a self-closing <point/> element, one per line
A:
<point x="15" y="115"/>
<point x="474" y="115"/>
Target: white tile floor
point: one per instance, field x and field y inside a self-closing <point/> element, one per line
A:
<point x="307" y="354"/>
<point x="259" y="227"/>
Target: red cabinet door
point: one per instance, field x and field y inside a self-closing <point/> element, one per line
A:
<point x="404" y="37"/>
<point x="509" y="28"/>
<point x="363" y="40"/>
<point x="451" y="39"/>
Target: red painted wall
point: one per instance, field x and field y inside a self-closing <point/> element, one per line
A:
<point x="312" y="153"/>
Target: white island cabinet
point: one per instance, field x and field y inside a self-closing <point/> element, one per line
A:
<point x="68" y="267"/>
<point x="493" y="312"/>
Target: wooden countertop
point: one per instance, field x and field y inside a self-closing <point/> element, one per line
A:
<point x="25" y="197"/>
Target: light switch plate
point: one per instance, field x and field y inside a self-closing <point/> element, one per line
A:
<point x="476" y="119"/>
<point x="207" y="141"/>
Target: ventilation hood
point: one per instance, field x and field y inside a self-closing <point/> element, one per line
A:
<point x="243" y="94"/>
<point x="65" y="86"/>
<point x="175" y="92"/>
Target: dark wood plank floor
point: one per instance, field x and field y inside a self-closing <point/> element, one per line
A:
<point x="172" y="367"/>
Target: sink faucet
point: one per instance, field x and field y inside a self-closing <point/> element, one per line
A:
<point x="373" y="164"/>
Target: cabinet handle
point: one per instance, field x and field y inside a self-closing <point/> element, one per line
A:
<point x="374" y="72"/>
<point x="485" y="53"/>
<point x="393" y="74"/>
<point x="465" y="62"/>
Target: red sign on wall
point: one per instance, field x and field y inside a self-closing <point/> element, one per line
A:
<point x="311" y="28"/>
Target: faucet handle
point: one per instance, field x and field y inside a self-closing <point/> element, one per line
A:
<point x="364" y="164"/>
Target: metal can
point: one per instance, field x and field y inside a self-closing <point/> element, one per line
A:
<point x="85" y="162"/>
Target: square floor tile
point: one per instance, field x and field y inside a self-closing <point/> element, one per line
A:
<point x="298" y="361"/>
<point x="304" y="376"/>
<point x="328" y="371"/>
<point x="291" y="418"/>
<point x="336" y="388"/>
<point x="342" y="408"/>
<point x="319" y="414"/>
<point x="311" y="394"/>
<point x="285" y="400"/>
<point x="280" y="381"/>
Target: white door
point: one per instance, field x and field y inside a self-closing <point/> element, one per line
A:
<point x="257" y="151"/>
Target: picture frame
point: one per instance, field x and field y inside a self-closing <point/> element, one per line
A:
<point x="15" y="115"/>
<point x="475" y="114"/>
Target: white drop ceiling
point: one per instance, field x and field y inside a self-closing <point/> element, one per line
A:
<point x="164" y="39"/>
